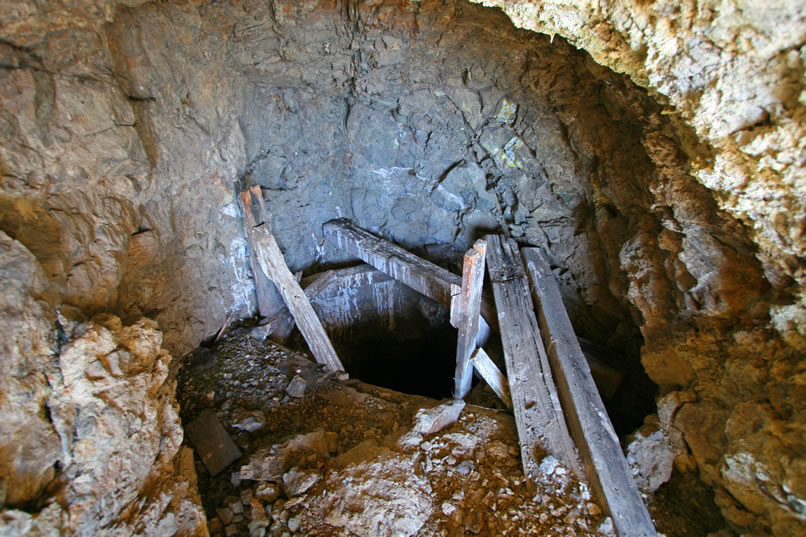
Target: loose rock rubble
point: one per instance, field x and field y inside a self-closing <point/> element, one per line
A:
<point x="323" y="456"/>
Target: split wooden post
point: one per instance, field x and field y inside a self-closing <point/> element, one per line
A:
<point x="481" y="361"/>
<point x="469" y="306"/>
<point x="269" y="300"/>
<point x="604" y="461"/>
<point x="535" y="402"/>
<point x="272" y="263"/>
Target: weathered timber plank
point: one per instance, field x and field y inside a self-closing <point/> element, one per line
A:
<point x="535" y="402"/>
<point x="456" y="305"/>
<point x="421" y="275"/>
<point x="280" y="325"/>
<point x="269" y="301"/>
<point x="213" y="445"/>
<point x="492" y="375"/>
<point x="272" y="263"/>
<point x="481" y="361"/>
<point x="469" y="305"/>
<point x="604" y="461"/>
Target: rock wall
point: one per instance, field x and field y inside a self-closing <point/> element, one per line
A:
<point x="673" y="217"/>
<point x="86" y="186"/>
<point x="90" y="437"/>
<point x="730" y="76"/>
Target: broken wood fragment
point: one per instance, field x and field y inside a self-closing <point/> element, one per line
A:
<point x="468" y="305"/>
<point x="272" y="263"/>
<point x="223" y="327"/>
<point x="604" y="461"/>
<point x="538" y="415"/>
<point x="492" y="376"/>
<point x="481" y="361"/>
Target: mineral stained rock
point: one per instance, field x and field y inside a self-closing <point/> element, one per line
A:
<point x="673" y="216"/>
<point x="376" y="478"/>
<point x="29" y="443"/>
<point x="90" y="437"/>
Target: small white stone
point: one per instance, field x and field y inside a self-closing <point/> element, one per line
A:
<point x="549" y="465"/>
<point x="606" y="527"/>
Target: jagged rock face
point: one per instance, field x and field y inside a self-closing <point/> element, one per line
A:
<point x="732" y="72"/>
<point x="102" y="454"/>
<point x="733" y="78"/>
<point x="29" y="446"/>
<point x="125" y="127"/>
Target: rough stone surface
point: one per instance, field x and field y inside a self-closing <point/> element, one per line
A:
<point x="29" y="443"/>
<point x="271" y="462"/>
<point x="116" y="431"/>
<point x="356" y="478"/>
<point x="376" y="475"/>
<point x="731" y="76"/>
<point x="731" y="73"/>
<point x="651" y="458"/>
<point x="677" y="213"/>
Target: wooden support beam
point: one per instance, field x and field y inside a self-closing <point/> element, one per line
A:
<point x="279" y="326"/>
<point x="269" y="301"/>
<point x="605" y="464"/>
<point x="468" y="305"/>
<point x="535" y="402"/>
<point x="492" y="375"/>
<point x="481" y="361"/>
<point x="421" y="275"/>
<point x="272" y="263"/>
<point x="429" y="279"/>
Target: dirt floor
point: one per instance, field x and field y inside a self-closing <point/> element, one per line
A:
<point x="327" y="455"/>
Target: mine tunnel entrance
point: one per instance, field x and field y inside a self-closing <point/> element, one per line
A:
<point x="388" y="334"/>
<point x="419" y="362"/>
<point x="423" y="121"/>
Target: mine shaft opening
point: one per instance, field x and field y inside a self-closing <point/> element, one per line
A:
<point x="420" y="363"/>
<point x="389" y="335"/>
<point x="660" y="184"/>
